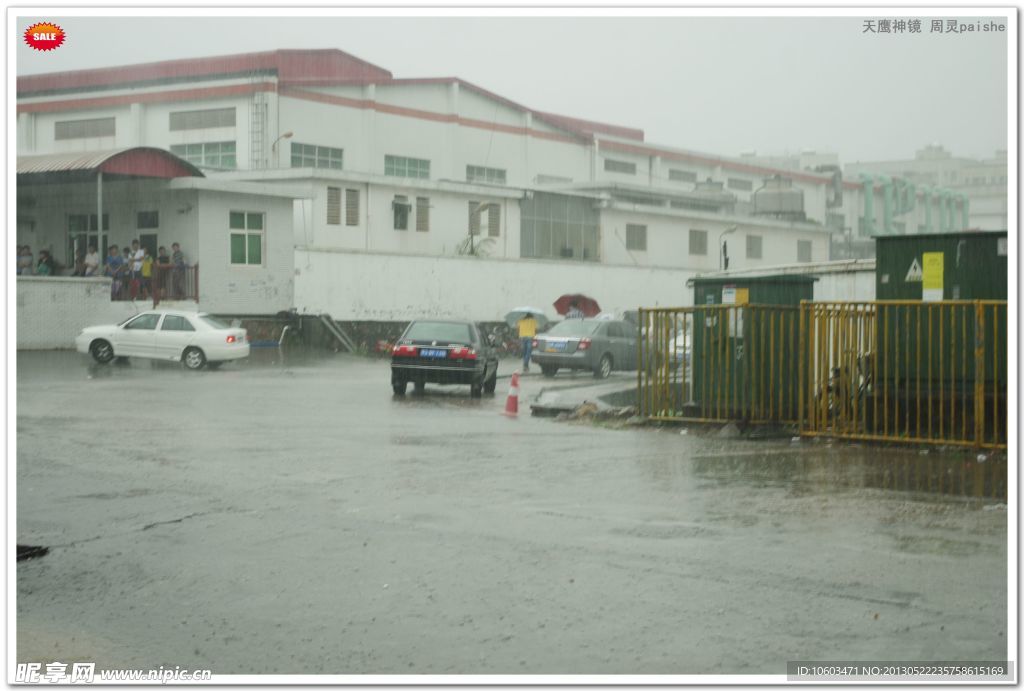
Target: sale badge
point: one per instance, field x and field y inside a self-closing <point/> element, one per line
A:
<point x="44" y="36"/>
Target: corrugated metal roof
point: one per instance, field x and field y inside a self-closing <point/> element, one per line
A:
<point x="143" y="161"/>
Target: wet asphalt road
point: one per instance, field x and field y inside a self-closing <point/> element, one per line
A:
<point x="295" y="518"/>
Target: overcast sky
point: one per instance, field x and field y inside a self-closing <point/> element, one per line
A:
<point x="722" y="85"/>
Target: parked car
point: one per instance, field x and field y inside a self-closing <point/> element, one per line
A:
<point x="598" y="345"/>
<point x="444" y="352"/>
<point x="196" y="339"/>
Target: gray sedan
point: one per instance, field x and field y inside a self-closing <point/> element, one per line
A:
<point x="598" y="345"/>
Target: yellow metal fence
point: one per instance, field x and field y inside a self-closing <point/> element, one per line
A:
<point x="882" y="370"/>
<point x="905" y="371"/>
<point x="718" y="362"/>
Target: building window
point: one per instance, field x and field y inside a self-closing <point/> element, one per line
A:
<point x="542" y="179"/>
<point x="401" y="208"/>
<point x="803" y="250"/>
<point x="312" y="156"/>
<point x="82" y="129"/>
<point x="334" y="206"/>
<point x="559" y="226"/>
<point x="351" y="207"/>
<point x="493" y="176"/>
<point x="493" y="220"/>
<point x="677" y="175"/>
<point x="740" y="184"/>
<point x="699" y="242"/>
<point x="402" y="167"/>
<point x="753" y="247"/>
<point x="619" y="166"/>
<point x="246" y="238"/>
<point x="147" y="219"/>
<point x="79" y="223"/>
<point x="208" y="154"/>
<point x="636" y="237"/>
<point x="202" y="119"/>
<point x="422" y="214"/>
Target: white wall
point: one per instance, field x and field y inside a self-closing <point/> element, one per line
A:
<point x="237" y="289"/>
<point x="388" y="287"/>
<point x="51" y="311"/>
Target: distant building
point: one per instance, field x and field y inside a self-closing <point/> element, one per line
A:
<point x="406" y="172"/>
<point x="984" y="182"/>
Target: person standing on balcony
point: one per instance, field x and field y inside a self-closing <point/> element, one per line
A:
<point x="45" y="267"/>
<point x="163" y="270"/>
<point x="115" y="267"/>
<point x="25" y="261"/>
<point x="92" y="261"/>
<point x="178" y="272"/>
<point x="147" y="271"/>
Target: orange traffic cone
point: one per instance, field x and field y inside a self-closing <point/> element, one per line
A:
<point x="512" y="402"/>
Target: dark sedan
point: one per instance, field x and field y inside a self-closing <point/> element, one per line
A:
<point x="598" y="345"/>
<point x="444" y="352"/>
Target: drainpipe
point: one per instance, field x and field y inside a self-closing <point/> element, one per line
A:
<point x="965" y="205"/>
<point x="944" y="211"/>
<point x="869" y="204"/>
<point x="927" y="194"/>
<point x="99" y="217"/>
<point x="886" y="203"/>
<point x="911" y="196"/>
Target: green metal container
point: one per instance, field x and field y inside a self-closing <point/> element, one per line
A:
<point x="744" y="357"/>
<point x="974" y="266"/>
<point x="761" y="290"/>
<point x="927" y="347"/>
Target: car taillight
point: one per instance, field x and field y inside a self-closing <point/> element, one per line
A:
<point x="584" y="344"/>
<point x="404" y="351"/>
<point x="232" y="339"/>
<point x="462" y="353"/>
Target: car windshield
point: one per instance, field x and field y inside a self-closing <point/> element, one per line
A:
<point x="214" y="322"/>
<point x="439" y="331"/>
<point x="573" y="327"/>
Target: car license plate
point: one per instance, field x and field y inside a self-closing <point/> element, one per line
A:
<point x="556" y="346"/>
<point x="433" y="353"/>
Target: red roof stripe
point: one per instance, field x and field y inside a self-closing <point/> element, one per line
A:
<point x="155" y="97"/>
<point x="291" y="66"/>
<point x="707" y="160"/>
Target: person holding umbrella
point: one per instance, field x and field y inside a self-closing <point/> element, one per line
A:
<point x="527" y="331"/>
<point x="574" y="311"/>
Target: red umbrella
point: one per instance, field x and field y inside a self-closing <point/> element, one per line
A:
<point x="587" y="305"/>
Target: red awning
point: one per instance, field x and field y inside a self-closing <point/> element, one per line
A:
<point x="140" y="161"/>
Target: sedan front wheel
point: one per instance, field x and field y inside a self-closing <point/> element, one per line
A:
<point x="102" y="351"/>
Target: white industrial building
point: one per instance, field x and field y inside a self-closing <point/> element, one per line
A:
<point x="427" y="196"/>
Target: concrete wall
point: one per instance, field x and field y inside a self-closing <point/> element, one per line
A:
<point x="386" y="287"/>
<point x="239" y="289"/>
<point x="51" y="311"/>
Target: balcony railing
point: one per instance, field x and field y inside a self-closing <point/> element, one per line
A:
<point x="175" y="283"/>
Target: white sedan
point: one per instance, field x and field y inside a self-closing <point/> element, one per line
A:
<point x="195" y="339"/>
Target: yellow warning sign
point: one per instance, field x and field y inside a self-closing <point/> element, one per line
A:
<point x="742" y="296"/>
<point x="931" y="276"/>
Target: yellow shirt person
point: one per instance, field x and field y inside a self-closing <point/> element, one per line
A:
<point x="527" y="330"/>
